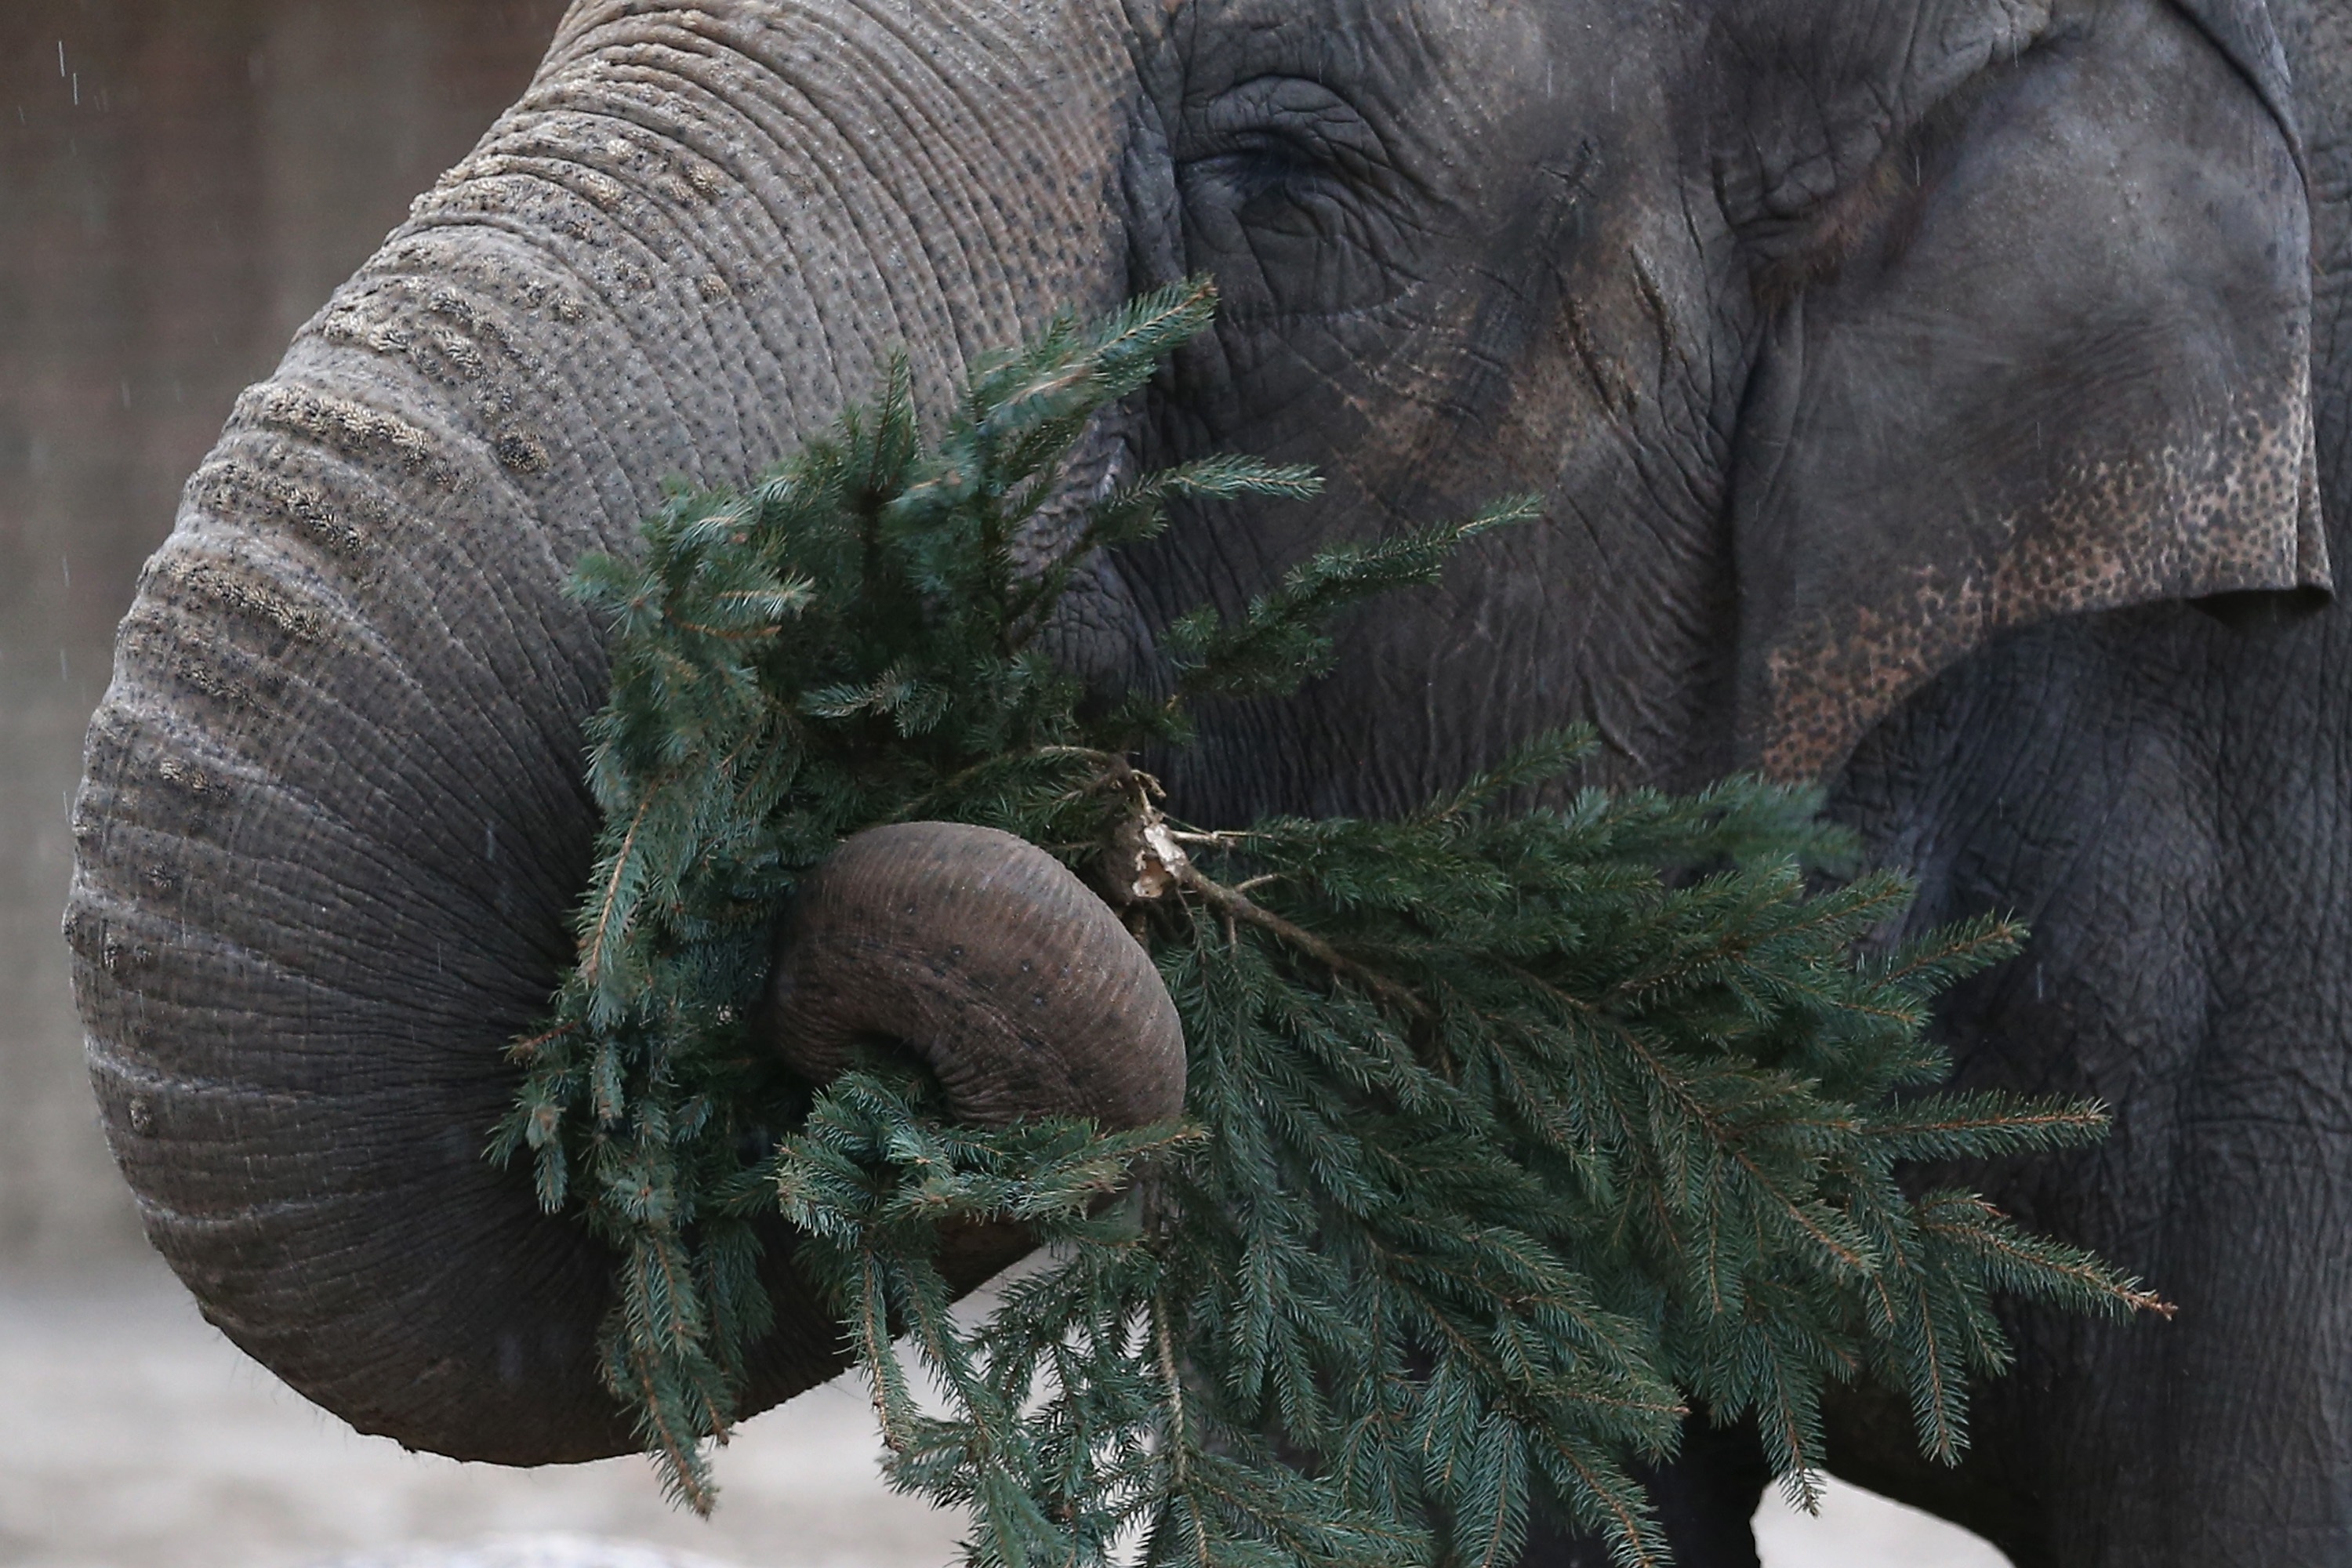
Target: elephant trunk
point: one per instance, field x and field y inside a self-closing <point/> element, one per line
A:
<point x="332" y="821"/>
<point x="989" y="963"/>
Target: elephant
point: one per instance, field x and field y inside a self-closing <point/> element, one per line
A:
<point x="1944" y="401"/>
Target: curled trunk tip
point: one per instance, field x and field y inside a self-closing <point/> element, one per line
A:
<point x="990" y="964"/>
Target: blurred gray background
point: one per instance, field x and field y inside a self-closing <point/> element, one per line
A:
<point x="182" y="184"/>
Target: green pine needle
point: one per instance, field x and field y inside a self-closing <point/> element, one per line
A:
<point x="1515" y="1130"/>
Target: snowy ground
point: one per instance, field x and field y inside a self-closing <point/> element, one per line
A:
<point x="131" y="1436"/>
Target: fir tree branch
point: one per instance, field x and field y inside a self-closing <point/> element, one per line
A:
<point x="1180" y="1437"/>
<point x="950" y="788"/>
<point x="594" y="948"/>
<point x="2087" y="1275"/>
<point x="1233" y="906"/>
<point x="1636" y="1148"/>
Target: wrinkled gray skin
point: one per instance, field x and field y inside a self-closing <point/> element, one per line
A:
<point x="1940" y="398"/>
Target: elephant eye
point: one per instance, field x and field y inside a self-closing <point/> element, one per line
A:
<point x="1287" y="189"/>
<point x="1277" y="134"/>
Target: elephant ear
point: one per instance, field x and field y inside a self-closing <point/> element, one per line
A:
<point x="2042" y="346"/>
<point x="2243" y="31"/>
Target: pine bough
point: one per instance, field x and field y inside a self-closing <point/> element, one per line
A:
<point x="1513" y="1134"/>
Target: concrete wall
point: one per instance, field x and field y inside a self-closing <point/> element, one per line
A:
<point x="181" y="183"/>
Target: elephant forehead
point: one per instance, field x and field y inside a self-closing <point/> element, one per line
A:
<point x="1810" y="96"/>
<point x="1442" y="74"/>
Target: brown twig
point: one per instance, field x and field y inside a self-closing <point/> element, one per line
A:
<point x="1176" y="1438"/>
<point x="527" y="1050"/>
<point x="877" y="1338"/>
<point x="593" y="962"/>
<point x="1236" y="906"/>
